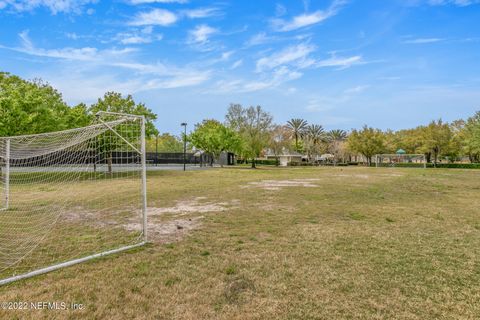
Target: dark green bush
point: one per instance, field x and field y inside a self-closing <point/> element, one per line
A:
<point x="300" y="164"/>
<point x="431" y="165"/>
<point x="456" y="165"/>
<point x="269" y="162"/>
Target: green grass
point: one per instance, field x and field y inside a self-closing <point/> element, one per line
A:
<point x="364" y="243"/>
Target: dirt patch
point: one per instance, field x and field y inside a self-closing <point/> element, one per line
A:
<point x="279" y="184"/>
<point x="194" y="206"/>
<point x="361" y="176"/>
<point x="391" y="175"/>
<point x="167" y="231"/>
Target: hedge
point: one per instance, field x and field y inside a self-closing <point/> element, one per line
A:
<point x="456" y="165"/>
<point x="269" y="162"/>
<point x="430" y="165"/>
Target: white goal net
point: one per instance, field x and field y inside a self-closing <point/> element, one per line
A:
<point x="69" y="196"/>
<point x="400" y="160"/>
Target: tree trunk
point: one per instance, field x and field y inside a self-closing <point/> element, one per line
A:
<point x="253" y="163"/>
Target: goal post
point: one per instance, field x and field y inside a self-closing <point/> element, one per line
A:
<point x="404" y="160"/>
<point x="72" y="196"/>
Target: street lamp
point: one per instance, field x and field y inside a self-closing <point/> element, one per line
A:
<point x="156" y="150"/>
<point x="184" y="125"/>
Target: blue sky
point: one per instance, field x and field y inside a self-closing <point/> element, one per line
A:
<point x="339" y="63"/>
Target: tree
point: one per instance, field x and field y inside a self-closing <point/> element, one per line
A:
<point x="253" y="125"/>
<point x="213" y="137"/>
<point x="115" y="102"/>
<point x="436" y="139"/>
<point x="164" y="142"/>
<point x="297" y="127"/>
<point x="336" y="143"/>
<point x="367" y="142"/>
<point x="279" y="140"/>
<point x="470" y="137"/>
<point x="313" y="135"/>
<point x="29" y="107"/>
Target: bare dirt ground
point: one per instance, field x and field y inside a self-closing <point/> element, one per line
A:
<point x="279" y="184"/>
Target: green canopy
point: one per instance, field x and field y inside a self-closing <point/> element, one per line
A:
<point x="401" y="151"/>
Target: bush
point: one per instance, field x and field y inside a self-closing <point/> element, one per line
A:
<point x="430" y="165"/>
<point x="268" y="162"/>
<point x="300" y="164"/>
<point x="456" y="165"/>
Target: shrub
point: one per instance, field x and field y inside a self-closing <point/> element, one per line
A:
<point x="431" y="165"/>
<point x="456" y="165"/>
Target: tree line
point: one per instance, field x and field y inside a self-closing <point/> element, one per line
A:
<point x="250" y="133"/>
<point x="29" y="107"/>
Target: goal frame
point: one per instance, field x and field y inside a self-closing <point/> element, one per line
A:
<point x="72" y="262"/>
<point x="394" y="155"/>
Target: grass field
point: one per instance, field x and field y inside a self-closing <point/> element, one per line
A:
<point x="278" y="243"/>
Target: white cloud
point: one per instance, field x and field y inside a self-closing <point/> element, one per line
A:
<point x="201" y="34"/>
<point x="98" y="71"/>
<point x="135" y="39"/>
<point x="460" y="3"/>
<point x="308" y="19"/>
<point x="142" y="36"/>
<point x="259" y="38"/>
<point x="157" y="1"/>
<point x="277" y="77"/>
<point x="236" y="64"/>
<point x="357" y="89"/>
<point x="201" y="13"/>
<point x="159" y="17"/>
<point x="55" y="6"/>
<point x="79" y="54"/>
<point x="423" y="40"/>
<point x="226" y="55"/>
<point x="293" y="54"/>
<point x="340" y="62"/>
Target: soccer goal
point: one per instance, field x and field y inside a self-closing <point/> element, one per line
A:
<point x="400" y="160"/>
<point x="71" y="196"/>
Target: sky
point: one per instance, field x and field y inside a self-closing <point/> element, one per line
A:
<point x="338" y="63"/>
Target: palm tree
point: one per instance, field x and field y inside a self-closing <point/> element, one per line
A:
<point x="337" y="135"/>
<point x="335" y="139"/>
<point x="314" y="134"/>
<point x="297" y="127"/>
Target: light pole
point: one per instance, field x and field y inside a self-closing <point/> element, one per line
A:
<point x="184" y="125"/>
<point x="156" y="150"/>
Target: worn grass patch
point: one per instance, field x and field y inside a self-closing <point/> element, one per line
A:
<point x="357" y="243"/>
